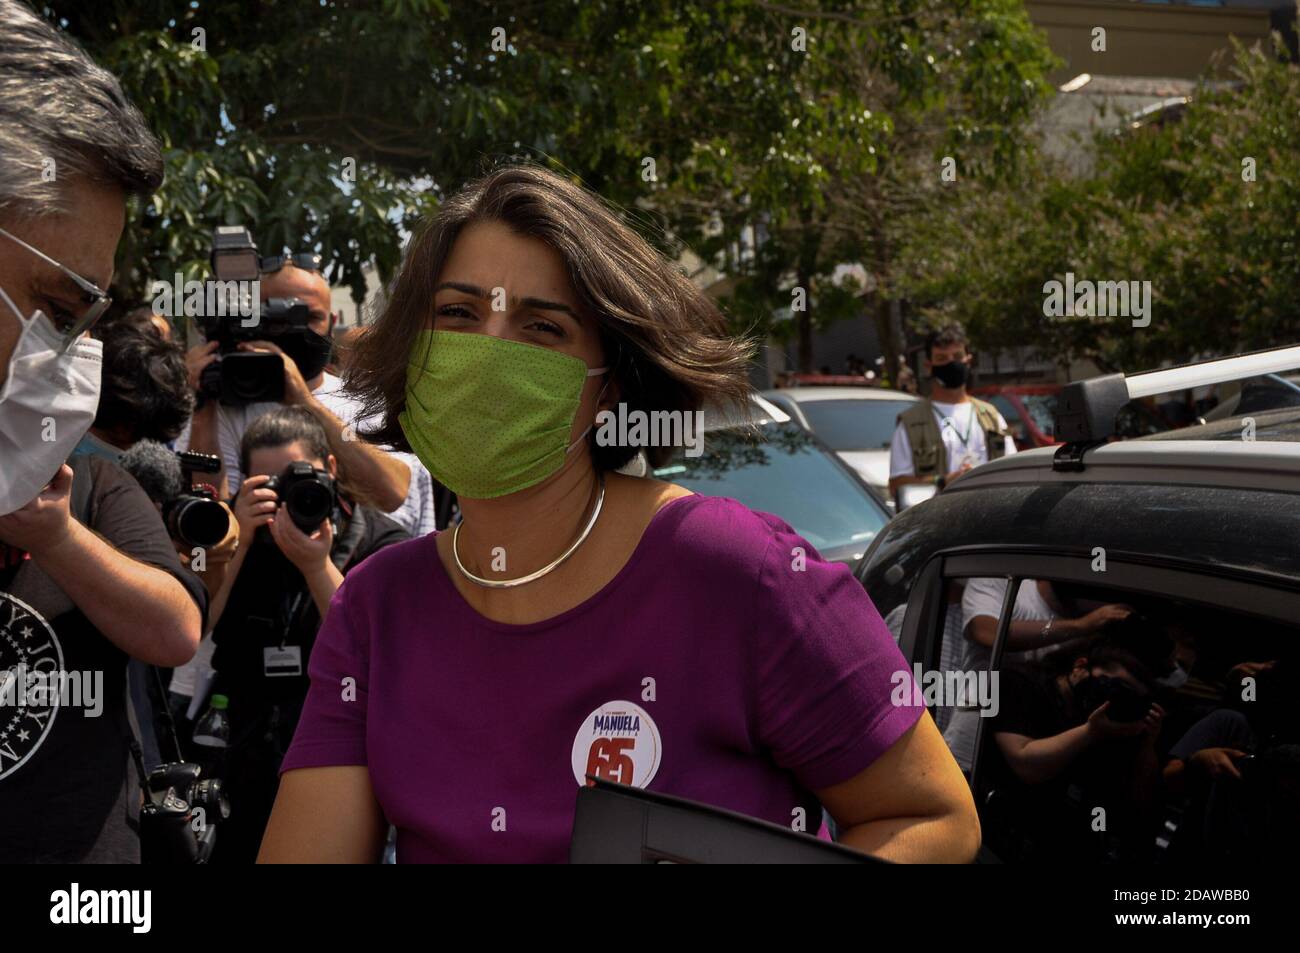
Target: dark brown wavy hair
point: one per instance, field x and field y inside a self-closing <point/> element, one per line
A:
<point x="666" y="342"/>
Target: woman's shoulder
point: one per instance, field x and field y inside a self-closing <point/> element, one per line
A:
<point x="717" y="531"/>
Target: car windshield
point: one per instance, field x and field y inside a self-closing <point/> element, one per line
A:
<point x="784" y="472"/>
<point x="854" y="424"/>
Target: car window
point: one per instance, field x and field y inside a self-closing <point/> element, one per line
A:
<point x="1042" y="409"/>
<point x="785" y="472"/>
<point x="1194" y="750"/>
<point x="1135" y="420"/>
<point x="854" y="424"/>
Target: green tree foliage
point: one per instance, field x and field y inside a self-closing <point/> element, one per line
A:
<point x="702" y="119"/>
<point x="1171" y="204"/>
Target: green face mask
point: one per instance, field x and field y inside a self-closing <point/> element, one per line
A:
<point x="488" y="416"/>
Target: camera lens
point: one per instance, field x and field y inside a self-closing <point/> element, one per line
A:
<point x="309" y="503"/>
<point x="208" y="795"/>
<point x="197" y="521"/>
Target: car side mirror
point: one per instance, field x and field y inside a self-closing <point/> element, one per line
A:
<point x="909" y="494"/>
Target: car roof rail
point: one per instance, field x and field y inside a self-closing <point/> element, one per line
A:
<point x="1086" y="410"/>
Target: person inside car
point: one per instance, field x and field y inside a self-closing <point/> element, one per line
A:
<point x="1073" y="737"/>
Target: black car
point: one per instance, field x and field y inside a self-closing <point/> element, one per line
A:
<point x="771" y="464"/>
<point x="1196" y="533"/>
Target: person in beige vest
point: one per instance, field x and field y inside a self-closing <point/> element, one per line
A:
<point x="941" y="437"/>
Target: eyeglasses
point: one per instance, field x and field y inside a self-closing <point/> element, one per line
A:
<point x="307" y="260"/>
<point x="96" y="300"/>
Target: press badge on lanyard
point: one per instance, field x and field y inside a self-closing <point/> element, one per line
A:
<point x="284" y="661"/>
<point x="281" y="661"/>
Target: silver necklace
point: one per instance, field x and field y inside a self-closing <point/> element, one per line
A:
<point x="532" y="576"/>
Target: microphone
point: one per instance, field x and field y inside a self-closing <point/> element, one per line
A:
<point x="156" y="469"/>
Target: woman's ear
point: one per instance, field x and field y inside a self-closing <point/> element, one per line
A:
<point x="332" y="464"/>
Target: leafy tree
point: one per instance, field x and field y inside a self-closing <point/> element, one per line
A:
<point x="1174" y="204"/>
<point x="336" y="124"/>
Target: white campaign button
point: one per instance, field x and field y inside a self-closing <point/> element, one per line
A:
<point x="617" y="742"/>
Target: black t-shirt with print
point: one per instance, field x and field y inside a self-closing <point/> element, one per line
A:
<point x="68" y="790"/>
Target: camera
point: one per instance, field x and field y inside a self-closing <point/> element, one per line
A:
<point x="308" y="494"/>
<point x="1126" y="703"/>
<point x="195" y="517"/>
<point x="237" y="378"/>
<point x="180" y="813"/>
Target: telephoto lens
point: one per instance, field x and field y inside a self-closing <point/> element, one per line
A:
<point x="196" y="520"/>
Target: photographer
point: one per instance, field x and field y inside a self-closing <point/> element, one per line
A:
<point x="1077" y="731"/>
<point x="278" y="588"/>
<point x="88" y="578"/>
<point x="397" y="482"/>
<point x="145" y="396"/>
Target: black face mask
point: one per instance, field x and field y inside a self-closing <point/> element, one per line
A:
<point x="952" y="375"/>
<point x="309" y="350"/>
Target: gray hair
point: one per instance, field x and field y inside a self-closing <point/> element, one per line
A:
<point x="57" y="106"/>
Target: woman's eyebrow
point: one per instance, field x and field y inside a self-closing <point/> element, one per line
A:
<point x="474" y="291"/>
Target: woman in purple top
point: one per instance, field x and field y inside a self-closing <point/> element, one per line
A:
<point x="580" y="622"/>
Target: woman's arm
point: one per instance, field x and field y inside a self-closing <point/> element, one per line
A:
<point x="219" y="599"/>
<point x="912" y="804"/>
<point x="324" y="816"/>
<point x="1035" y="760"/>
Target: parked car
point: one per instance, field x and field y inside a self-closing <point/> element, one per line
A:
<point x="1030" y="412"/>
<point x="856" y="422"/>
<point x="1258" y="394"/>
<point x="770" y="463"/>
<point x="1195" y="530"/>
<point x="826" y="380"/>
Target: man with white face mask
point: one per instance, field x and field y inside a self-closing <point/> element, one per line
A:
<point x="88" y="576"/>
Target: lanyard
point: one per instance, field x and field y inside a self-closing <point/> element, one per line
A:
<point x="952" y="425"/>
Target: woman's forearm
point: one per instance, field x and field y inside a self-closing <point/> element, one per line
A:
<point x="218" y="604"/>
<point x="933" y="839"/>
<point x="1044" y="758"/>
<point x="323" y="584"/>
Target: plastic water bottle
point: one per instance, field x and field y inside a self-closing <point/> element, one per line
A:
<point x="213" y="729"/>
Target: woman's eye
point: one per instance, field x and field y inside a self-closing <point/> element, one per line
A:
<point x="546" y="326"/>
<point x="454" y="311"/>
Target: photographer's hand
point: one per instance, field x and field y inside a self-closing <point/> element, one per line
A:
<point x="1102" y="727"/>
<point x="255" y="506"/>
<point x="296" y="390"/>
<point x="311" y="554"/>
<point x="197" y="359"/>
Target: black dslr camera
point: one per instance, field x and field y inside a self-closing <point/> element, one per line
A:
<point x="195" y="517"/>
<point x="232" y="316"/>
<point x="179" y="817"/>
<point x="1126" y="703"/>
<point x="308" y="494"/>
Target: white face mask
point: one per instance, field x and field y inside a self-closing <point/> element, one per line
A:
<point x="47" y="404"/>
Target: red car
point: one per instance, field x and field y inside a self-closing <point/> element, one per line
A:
<point x="1030" y="412"/>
